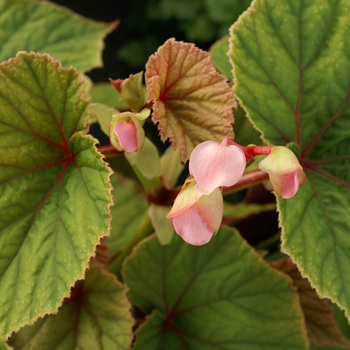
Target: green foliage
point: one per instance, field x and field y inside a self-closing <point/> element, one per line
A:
<point x="43" y="27"/>
<point x="204" y="297"/>
<point x="201" y="21"/>
<point x="292" y="77"/>
<point x="96" y="316"/>
<point x="54" y="188"/>
<point x="129" y="207"/>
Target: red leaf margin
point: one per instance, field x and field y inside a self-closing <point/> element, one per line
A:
<point x="174" y="74"/>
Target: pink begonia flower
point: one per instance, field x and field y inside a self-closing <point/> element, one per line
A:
<point x="285" y="172"/>
<point x="214" y="165"/>
<point x="196" y="217"/>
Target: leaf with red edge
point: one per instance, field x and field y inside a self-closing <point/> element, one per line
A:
<point x="319" y="317"/>
<point x="192" y="102"/>
<point x="55" y="190"/>
<point x="96" y="316"/>
<point x="211" y="297"/>
<point x="292" y="75"/>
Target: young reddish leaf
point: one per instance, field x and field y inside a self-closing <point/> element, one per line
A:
<point x="192" y="102"/>
<point x="55" y="190"/>
<point x="96" y="316"/>
<point x="319" y="317"/>
<point x="292" y="75"/>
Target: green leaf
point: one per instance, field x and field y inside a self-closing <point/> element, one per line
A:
<point x="106" y="93"/>
<point x="129" y="208"/>
<point x="319" y="317"/>
<point x="146" y="164"/>
<point x="245" y="133"/>
<point x="96" y="316"/>
<point x="239" y="211"/>
<point x="162" y="226"/>
<point x="4" y="346"/>
<point x="171" y="167"/>
<point x="47" y="28"/>
<point x="292" y="73"/>
<point x="55" y="192"/>
<point x="220" y="58"/>
<point x="211" y="297"/>
<point x="104" y="114"/>
<point x="192" y="102"/>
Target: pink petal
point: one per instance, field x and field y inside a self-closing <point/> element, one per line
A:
<point x="214" y="165"/>
<point x="190" y="226"/>
<point x="127" y="135"/>
<point x="211" y="209"/>
<point x="187" y="197"/>
<point x="286" y="185"/>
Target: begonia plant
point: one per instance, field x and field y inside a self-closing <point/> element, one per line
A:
<point x="216" y="214"/>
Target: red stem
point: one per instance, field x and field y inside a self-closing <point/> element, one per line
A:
<point x="259" y="150"/>
<point x="109" y="151"/>
<point x="248" y="179"/>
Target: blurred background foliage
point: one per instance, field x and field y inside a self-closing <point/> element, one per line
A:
<point x="145" y="25"/>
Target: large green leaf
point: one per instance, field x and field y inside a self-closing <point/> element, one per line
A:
<point x="43" y="27"/>
<point x="96" y="316"/>
<point x="55" y="191"/>
<point x="211" y="297"/>
<point x="292" y="72"/>
<point x="130" y="205"/>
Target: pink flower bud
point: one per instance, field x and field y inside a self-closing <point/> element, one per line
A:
<point x="285" y="172"/>
<point x="214" y="165"/>
<point x="127" y="135"/>
<point x="196" y="217"/>
<point x="126" y="132"/>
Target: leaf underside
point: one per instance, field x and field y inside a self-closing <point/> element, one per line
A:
<point x="292" y="75"/>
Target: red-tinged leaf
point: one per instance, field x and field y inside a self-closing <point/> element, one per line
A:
<point x="321" y="326"/>
<point x="192" y="102"/>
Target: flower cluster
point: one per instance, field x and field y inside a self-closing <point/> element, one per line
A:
<point x="198" y="209"/>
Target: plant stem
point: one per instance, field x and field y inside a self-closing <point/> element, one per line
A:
<point x="259" y="150"/>
<point x="109" y="151"/>
<point x="247" y="180"/>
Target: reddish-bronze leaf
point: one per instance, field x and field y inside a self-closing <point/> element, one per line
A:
<point x="321" y="326"/>
<point x="192" y="102"/>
